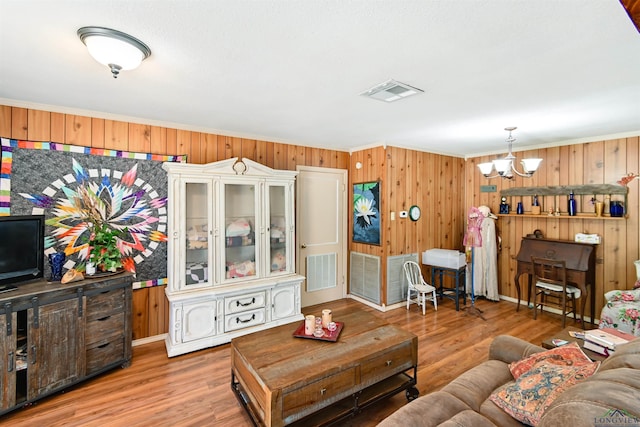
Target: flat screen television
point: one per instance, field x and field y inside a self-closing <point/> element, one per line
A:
<point x="21" y="250"/>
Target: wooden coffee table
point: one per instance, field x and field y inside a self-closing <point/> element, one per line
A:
<point x="564" y="335"/>
<point x="284" y="380"/>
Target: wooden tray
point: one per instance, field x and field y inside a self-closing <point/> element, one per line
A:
<point x="328" y="336"/>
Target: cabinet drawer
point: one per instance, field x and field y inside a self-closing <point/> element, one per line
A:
<point x="104" y="354"/>
<point x="386" y="364"/>
<point x="104" y="328"/>
<point x="106" y="303"/>
<point x="244" y="320"/>
<point x="240" y="303"/>
<point x="319" y="394"/>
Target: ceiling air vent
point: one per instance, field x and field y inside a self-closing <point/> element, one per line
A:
<point x="390" y="91"/>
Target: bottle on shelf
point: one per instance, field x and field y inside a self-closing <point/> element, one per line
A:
<point x="571" y="205"/>
<point x="616" y="208"/>
<point x="519" y="208"/>
<point x="535" y="206"/>
<point x="504" y="207"/>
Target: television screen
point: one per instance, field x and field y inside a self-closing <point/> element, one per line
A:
<point x="21" y="248"/>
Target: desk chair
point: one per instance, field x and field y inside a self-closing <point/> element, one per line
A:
<point x="550" y="278"/>
<point x="418" y="287"/>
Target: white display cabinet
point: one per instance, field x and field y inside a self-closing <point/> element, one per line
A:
<point x="230" y="258"/>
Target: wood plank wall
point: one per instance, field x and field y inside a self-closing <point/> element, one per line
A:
<point x="443" y="186"/>
<point x="408" y="177"/>
<point x="150" y="305"/>
<point x="602" y="162"/>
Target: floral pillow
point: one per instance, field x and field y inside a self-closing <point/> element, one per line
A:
<point x="526" y="398"/>
<point x="568" y="355"/>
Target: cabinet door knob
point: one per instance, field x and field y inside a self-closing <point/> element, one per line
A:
<point x="303" y="246"/>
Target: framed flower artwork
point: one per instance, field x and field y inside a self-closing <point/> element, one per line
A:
<point x="366" y="213"/>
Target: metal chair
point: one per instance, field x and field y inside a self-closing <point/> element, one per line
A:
<point x="418" y="287"/>
<point x="550" y="278"/>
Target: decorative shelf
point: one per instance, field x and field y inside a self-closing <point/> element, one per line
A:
<point x="563" y="216"/>
<point x="551" y="196"/>
<point x="563" y="190"/>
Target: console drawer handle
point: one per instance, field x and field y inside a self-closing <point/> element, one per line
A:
<point x="240" y="304"/>
<point x="323" y="391"/>
<point x="389" y="362"/>
<point x="253" y="316"/>
<point x="102" y="319"/>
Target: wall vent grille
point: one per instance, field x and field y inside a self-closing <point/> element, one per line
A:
<point x="365" y="276"/>
<point x="396" y="279"/>
<point x="321" y="272"/>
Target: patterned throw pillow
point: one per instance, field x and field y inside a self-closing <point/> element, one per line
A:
<point x="526" y="398"/>
<point x="568" y="355"/>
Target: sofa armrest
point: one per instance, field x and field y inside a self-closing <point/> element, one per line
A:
<point x="507" y="348"/>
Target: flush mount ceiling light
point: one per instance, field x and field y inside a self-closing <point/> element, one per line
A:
<point x="115" y="49"/>
<point x="504" y="166"/>
<point x="390" y="91"/>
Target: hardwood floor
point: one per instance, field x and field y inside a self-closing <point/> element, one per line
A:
<point x="194" y="389"/>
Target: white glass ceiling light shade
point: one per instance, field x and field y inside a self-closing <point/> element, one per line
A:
<point x="505" y="167"/>
<point x="115" y="49"/>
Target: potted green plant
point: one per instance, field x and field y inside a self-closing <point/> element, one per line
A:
<point x="104" y="253"/>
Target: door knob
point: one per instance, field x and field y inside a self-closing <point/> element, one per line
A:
<point x="303" y="246"/>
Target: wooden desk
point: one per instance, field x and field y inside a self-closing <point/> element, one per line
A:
<point x="580" y="259"/>
<point x="283" y="380"/>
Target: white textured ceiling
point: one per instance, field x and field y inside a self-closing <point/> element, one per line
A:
<point x="292" y="70"/>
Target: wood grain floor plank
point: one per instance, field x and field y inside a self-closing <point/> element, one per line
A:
<point x="194" y="389"/>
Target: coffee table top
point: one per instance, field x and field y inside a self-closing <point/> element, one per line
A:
<point x="281" y="360"/>
<point x="564" y="335"/>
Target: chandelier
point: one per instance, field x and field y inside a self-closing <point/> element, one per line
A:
<point x="505" y="167"/>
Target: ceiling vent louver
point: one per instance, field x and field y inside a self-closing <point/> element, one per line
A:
<point x="390" y="91"/>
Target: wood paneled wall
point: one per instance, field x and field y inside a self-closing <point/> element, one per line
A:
<point x="603" y="162"/>
<point x="150" y="305"/>
<point x="444" y="187"/>
<point x="431" y="181"/>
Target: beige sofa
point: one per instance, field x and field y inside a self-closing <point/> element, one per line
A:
<point x="465" y="401"/>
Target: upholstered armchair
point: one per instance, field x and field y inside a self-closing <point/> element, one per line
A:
<point x="622" y="308"/>
<point x="622" y="311"/>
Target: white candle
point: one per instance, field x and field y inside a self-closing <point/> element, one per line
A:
<point x="309" y="324"/>
<point x="326" y="317"/>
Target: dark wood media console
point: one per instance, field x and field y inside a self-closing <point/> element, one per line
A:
<point x="54" y="335"/>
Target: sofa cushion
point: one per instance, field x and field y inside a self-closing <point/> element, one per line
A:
<point x="625" y="356"/>
<point x="568" y="355"/>
<point x="468" y="418"/>
<point x="426" y="411"/>
<point x="474" y="386"/>
<point x="530" y="395"/>
<point x="499" y="417"/>
<point x="611" y="392"/>
<point x="510" y="349"/>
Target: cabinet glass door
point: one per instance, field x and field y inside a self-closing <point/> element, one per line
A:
<point x="198" y="244"/>
<point x="240" y="239"/>
<point x="278" y="256"/>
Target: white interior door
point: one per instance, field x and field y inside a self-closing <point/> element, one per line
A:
<point x="321" y="226"/>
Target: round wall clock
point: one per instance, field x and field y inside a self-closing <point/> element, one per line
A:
<point x="414" y="213"/>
